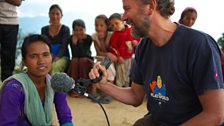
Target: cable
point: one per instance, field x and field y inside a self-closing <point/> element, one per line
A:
<point x="92" y="98"/>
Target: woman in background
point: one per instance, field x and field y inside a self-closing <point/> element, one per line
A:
<point x="58" y="35"/>
<point x="188" y="16"/>
<point x="27" y="98"/>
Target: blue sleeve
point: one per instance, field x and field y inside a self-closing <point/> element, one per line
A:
<point x="205" y="65"/>
<point x="62" y="108"/>
<point x="11" y="100"/>
<point x="135" y="73"/>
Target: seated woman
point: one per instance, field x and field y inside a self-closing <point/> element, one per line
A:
<point x="188" y="16"/>
<point x="80" y="44"/>
<point x="58" y="35"/>
<point x="27" y="98"/>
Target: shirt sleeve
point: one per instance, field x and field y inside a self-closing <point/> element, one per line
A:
<point x="11" y="100"/>
<point x="205" y="65"/>
<point x="62" y="108"/>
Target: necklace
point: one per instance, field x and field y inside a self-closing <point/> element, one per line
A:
<point x="54" y="29"/>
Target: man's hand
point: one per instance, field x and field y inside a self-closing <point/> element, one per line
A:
<point x="97" y="71"/>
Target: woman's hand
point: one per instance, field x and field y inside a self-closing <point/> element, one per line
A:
<point x="112" y="57"/>
<point x="120" y="60"/>
<point x="134" y="43"/>
<point x="55" y="59"/>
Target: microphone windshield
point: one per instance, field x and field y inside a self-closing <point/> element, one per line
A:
<point x="61" y="82"/>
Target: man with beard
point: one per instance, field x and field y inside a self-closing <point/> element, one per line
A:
<point x="178" y="68"/>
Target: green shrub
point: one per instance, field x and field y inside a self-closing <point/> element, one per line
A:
<point x="221" y="42"/>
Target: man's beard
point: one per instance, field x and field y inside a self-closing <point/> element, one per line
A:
<point x="140" y="30"/>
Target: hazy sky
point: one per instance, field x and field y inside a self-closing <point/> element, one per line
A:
<point x="210" y="13"/>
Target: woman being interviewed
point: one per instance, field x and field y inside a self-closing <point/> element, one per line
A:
<point x="27" y="98"/>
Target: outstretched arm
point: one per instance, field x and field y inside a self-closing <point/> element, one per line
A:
<point x="133" y="95"/>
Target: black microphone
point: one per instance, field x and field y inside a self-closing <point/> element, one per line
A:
<point x="61" y="82"/>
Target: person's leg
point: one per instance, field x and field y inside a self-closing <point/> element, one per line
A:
<point x="73" y="73"/>
<point x="8" y="50"/>
<point x="74" y="68"/>
<point x="111" y="73"/>
<point x="127" y="68"/>
<point x="120" y="75"/>
<point x="85" y="65"/>
<point x="147" y="120"/>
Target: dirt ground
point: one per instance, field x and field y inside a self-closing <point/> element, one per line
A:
<point x="87" y="113"/>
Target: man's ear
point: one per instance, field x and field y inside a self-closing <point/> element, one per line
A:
<point x="152" y="6"/>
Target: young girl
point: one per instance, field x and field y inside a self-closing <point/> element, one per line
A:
<point x="27" y="98"/>
<point x="101" y="42"/>
<point x="80" y="44"/>
<point x="188" y="17"/>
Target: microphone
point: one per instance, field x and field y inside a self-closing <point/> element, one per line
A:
<point x="61" y="82"/>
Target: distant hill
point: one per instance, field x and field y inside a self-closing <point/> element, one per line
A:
<point x="34" y="24"/>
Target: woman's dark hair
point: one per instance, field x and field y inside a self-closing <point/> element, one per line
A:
<point x="103" y="17"/>
<point x="115" y="16"/>
<point x="33" y="38"/>
<point x="55" y="6"/>
<point x="78" y="22"/>
<point x="185" y="11"/>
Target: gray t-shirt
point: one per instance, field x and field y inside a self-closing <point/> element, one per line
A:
<point x="8" y="14"/>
